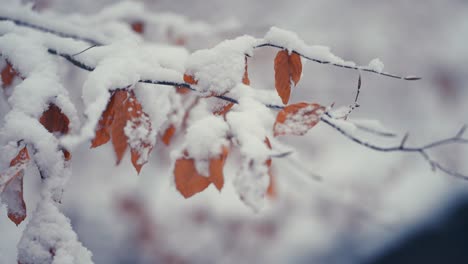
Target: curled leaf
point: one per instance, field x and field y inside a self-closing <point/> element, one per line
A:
<point x="297" y="119"/>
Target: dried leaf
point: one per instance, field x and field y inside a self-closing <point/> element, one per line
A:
<point x="12" y="194"/>
<point x="190" y="79"/>
<point x="271" y="190"/>
<point x="138" y="27"/>
<point x="124" y="110"/>
<point x="297" y="119"/>
<point x="288" y="68"/>
<point x="188" y="181"/>
<point x="8" y="75"/>
<point x="54" y="120"/>
<point x="135" y="156"/>
<point x="119" y="139"/>
<point x="295" y="67"/>
<point x="224" y="108"/>
<point x="216" y="169"/>
<point x="103" y="129"/>
<point x="167" y="136"/>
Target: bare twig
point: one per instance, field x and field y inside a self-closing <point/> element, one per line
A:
<point x="360" y="68"/>
<point x="422" y="150"/>
<point x="51" y="31"/>
<point x="97" y="43"/>
<point x="88" y="48"/>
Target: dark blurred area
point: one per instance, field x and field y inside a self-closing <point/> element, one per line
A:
<point x="443" y="241"/>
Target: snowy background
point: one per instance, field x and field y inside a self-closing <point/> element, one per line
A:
<point x="364" y="201"/>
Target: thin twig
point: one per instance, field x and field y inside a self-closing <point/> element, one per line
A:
<point x="51" y="31"/>
<point x="88" y="48"/>
<point x="360" y="68"/>
<point x="402" y="148"/>
<point x="97" y="43"/>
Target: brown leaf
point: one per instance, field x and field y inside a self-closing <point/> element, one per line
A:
<point x="288" y="68"/>
<point x="295" y="67"/>
<point x="190" y="79"/>
<point x="66" y="155"/>
<point x="12" y="193"/>
<point x="123" y="107"/>
<point x="167" y="136"/>
<point x="103" y="129"/>
<point x="223" y="108"/>
<point x="8" y="75"/>
<point x="54" y="120"/>
<point x="297" y="119"/>
<point x="119" y="139"/>
<point x="282" y="77"/>
<point x="188" y="181"/>
<point x="135" y="156"/>
<point x="271" y="190"/>
<point x="138" y="27"/>
<point x="216" y="169"/>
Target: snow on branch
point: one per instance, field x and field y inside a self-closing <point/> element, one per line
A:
<point x="276" y="38"/>
<point x="329" y="120"/>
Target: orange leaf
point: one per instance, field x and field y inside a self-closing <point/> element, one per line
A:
<point x="103" y="128"/>
<point x="282" y="77"/>
<point x="135" y="156"/>
<point x="166" y="138"/>
<point x="8" y="75"/>
<point x="138" y="119"/>
<point x="138" y="27"/>
<point x="189" y="79"/>
<point x="188" y="181"/>
<point x="21" y="158"/>
<point x="119" y="139"/>
<point x="224" y="108"/>
<point x="288" y="68"/>
<point x="271" y="190"/>
<point x="12" y="193"/>
<point x="54" y="120"/>
<point x="123" y="108"/>
<point x="216" y="169"/>
<point x="297" y="119"/>
<point x="295" y="67"/>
